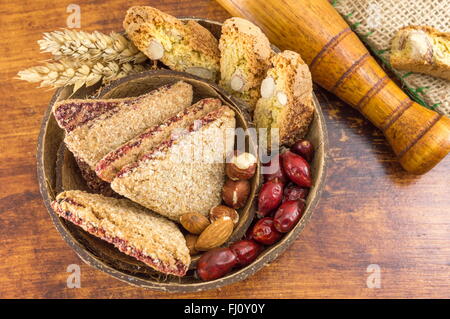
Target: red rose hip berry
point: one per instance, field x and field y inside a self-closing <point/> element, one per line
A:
<point x="216" y="263"/>
<point x="288" y="215"/>
<point x="264" y="231"/>
<point x="246" y="251"/>
<point x="273" y="170"/>
<point x="249" y="232"/>
<point x="304" y="148"/>
<point x="270" y="197"/>
<point x="296" y="168"/>
<point x="294" y="192"/>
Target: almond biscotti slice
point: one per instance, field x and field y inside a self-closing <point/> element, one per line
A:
<point x="286" y="98"/>
<point x="130" y="152"/>
<point x="132" y="229"/>
<point x="245" y="57"/>
<point x="422" y="49"/>
<point x="182" y="174"/>
<point x="96" y="127"/>
<point x="182" y="46"/>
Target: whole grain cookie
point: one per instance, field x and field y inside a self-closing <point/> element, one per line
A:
<point x="182" y="46"/>
<point x="96" y="127"/>
<point x="132" y="229"/>
<point x="183" y="173"/>
<point x="245" y="57"/>
<point x="286" y="98"/>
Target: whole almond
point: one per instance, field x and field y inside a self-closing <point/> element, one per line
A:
<point x="194" y="223"/>
<point x="282" y="98"/>
<point x="267" y="87"/>
<point x="155" y="50"/>
<point x="190" y="243"/>
<point x="237" y="82"/>
<point x="215" y="234"/>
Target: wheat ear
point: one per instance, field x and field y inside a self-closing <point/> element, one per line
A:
<point x="67" y="72"/>
<point x="95" y="46"/>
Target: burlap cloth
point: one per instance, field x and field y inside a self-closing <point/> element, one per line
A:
<point x="377" y="21"/>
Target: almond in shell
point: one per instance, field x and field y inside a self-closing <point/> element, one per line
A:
<point x="241" y="166"/>
<point x="222" y="211"/>
<point x="215" y="234"/>
<point x="235" y="193"/>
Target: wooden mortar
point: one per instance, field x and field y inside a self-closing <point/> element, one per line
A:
<point x="340" y="63"/>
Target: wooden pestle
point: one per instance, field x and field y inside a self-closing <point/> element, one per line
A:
<point x="340" y="63"/>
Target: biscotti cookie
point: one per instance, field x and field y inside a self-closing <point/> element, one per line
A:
<point x="182" y="46"/>
<point x="130" y="152"/>
<point x="244" y="59"/>
<point x="286" y="98"/>
<point x="182" y="174"/>
<point x="135" y="231"/>
<point x="422" y="49"/>
<point x="96" y="127"/>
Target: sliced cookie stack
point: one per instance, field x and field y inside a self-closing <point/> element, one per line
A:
<point x="157" y="150"/>
<point x="108" y="167"/>
<point x="96" y="127"/>
<point x="182" y="174"/>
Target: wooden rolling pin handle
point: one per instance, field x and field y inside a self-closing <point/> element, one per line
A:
<point x="341" y="64"/>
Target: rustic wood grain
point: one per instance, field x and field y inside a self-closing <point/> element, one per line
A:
<point x="372" y="212"/>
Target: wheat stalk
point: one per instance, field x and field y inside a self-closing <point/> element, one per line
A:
<point x="96" y="46"/>
<point x="68" y="72"/>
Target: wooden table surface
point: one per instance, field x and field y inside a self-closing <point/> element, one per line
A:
<point x="371" y="212"/>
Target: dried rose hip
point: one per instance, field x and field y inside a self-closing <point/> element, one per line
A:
<point x="246" y="251"/>
<point x="270" y="197"/>
<point x="304" y="148"/>
<point x="294" y="192"/>
<point x="296" y="168"/>
<point x="288" y="215"/>
<point x="264" y="231"/>
<point x="249" y="232"/>
<point x="274" y="170"/>
<point x="216" y="263"/>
